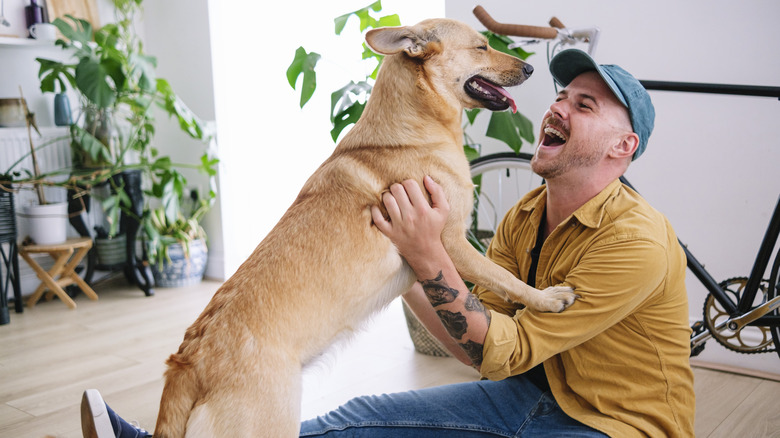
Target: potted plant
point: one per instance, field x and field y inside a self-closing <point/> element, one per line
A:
<point x="46" y="222"/>
<point x="177" y="243"/>
<point x="111" y="138"/>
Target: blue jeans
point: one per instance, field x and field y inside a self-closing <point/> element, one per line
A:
<point x="513" y="407"/>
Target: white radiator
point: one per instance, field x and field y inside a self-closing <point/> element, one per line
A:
<point x="14" y="145"/>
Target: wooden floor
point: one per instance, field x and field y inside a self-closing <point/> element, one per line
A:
<point x="49" y="355"/>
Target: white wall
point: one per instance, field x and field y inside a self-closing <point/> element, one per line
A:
<point x="712" y="162"/>
<point x="269" y="146"/>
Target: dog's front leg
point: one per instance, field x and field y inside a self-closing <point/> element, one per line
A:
<point x="476" y="268"/>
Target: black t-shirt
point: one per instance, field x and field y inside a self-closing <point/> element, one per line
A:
<point x="536" y="374"/>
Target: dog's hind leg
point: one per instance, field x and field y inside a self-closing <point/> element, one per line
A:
<point x="260" y="407"/>
<point x="476" y="268"/>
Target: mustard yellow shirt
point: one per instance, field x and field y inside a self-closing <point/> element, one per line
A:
<point x="618" y="358"/>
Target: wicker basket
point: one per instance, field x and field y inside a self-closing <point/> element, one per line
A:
<point x="423" y="340"/>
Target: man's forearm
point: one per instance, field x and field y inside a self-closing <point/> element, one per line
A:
<point x="462" y="314"/>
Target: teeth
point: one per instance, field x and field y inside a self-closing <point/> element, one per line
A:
<point x="552" y="131"/>
<point x="476" y="86"/>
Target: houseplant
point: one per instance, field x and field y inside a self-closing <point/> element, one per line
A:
<point x="46" y="222"/>
<point x="112" y="136"/>
<point x="348" y="102"/>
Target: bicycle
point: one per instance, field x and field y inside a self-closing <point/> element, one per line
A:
<point x="740" y="313"/>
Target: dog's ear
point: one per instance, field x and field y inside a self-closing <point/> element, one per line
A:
<point x="392" y="40"/>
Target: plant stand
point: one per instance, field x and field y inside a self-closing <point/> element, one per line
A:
<point x="135" y="267"/>
<point x="9" y="259"/>
<point x="67" y="256"/>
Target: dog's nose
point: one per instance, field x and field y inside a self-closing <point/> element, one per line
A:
<point x="528" y="69"/>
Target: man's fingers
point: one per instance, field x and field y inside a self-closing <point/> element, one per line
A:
<point x="391" y="205"/>
<point x="415" y="193"/>
<point x="379" y="220"/>
<point x="438" y="198"/>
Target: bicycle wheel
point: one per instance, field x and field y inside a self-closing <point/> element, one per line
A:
<point x="500" y="180"/>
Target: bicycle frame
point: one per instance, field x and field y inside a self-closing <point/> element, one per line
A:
<point x="741" y="312"/>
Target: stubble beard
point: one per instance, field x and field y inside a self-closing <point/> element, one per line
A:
<point x="569" y="159"/>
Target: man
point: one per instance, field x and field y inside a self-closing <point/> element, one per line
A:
<point x="616" y="362"/>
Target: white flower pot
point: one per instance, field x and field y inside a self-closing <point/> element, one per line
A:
<point x="47" y="224"/>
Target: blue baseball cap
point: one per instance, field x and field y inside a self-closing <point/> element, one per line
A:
<point x="570" y="63"/>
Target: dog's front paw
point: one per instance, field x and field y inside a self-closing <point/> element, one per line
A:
<point x="556" y="299"/>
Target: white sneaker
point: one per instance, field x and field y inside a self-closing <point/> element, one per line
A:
<point x="94" y="416"/>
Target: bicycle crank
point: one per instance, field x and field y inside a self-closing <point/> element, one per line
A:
<point x="735" y="333"/>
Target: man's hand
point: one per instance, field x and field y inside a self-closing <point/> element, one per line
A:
<point x="414" y="226"/>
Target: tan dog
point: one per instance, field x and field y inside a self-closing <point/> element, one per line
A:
<point x="325" y="268"/>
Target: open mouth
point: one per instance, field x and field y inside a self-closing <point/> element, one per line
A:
<point x="492" y="96"/>
<point x="553" y="136"/>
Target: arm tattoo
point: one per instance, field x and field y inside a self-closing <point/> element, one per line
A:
<point x="438" y="292"/>
<point x="474" y="305"/>
<point x="474" y="352"/>
<point x="455" y="323"/>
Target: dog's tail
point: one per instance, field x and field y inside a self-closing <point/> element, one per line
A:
<point x="178" y="398"/>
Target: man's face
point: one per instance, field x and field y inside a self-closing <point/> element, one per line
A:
<point x="579" y="129"/>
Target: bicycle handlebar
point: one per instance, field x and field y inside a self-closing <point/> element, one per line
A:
<point x="556" y="23"/>
<point x="519" y="30"/>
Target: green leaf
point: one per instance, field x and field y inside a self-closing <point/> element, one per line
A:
<point x="471" y="152"/>
<point x="208" y="165"/>
<point x="92" y="81"/>
<point x="510" y="128"/>
<point x="54" y="72"/>
<point x="345" y="118"/>
<point x="304" y="63"/>
<point x="162" y="164"/>
<point x="144" y="70"/>
<point x="97" y="151"/>
<point x="502" y="42"/>
<point x="389" y="20"/>
<point x="188" y="121"/>
<point x="111" y="208"/>
<point x="362" y="14"/>
<point x="346" y="96"/>
<point x="80" y="31"/>
<point x="471" y="114"/>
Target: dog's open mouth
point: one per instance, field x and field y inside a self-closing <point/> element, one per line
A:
<point x="492" y="96"/>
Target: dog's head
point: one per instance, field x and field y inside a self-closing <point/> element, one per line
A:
<point x="457" y="61"/>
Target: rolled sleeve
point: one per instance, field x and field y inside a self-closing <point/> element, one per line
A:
<point x="500" y="345"/>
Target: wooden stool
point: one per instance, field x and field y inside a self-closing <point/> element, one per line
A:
<point x="63" y="268"/>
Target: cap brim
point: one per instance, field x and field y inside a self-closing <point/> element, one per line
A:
<point x="570" y="63"/>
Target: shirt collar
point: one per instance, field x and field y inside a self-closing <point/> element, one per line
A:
<point x="589" y="214"/>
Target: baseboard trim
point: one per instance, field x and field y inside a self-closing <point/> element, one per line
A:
<point x="735" y="370"/>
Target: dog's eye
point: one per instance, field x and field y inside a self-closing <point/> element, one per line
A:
<point x="482" y="48"/>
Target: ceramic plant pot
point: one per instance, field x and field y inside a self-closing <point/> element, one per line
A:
<point x="46" y="224"/>
<point x="181" y="270"/>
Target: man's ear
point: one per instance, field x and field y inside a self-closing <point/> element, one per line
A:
<point x="392" y="40"/>
<point x="626" y="146"/>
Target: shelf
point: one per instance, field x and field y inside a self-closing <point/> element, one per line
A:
<point x="25" y="42"/>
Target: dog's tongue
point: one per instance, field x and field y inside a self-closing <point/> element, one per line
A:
<point x="508" y="98"/>
<point x="499" y="91"/>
